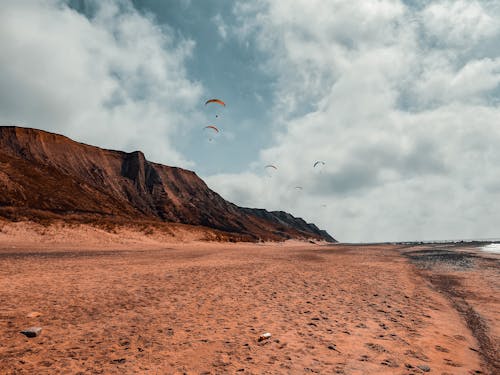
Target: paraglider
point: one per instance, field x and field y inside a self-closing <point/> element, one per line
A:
<point x="298" y="187"/>
<point x="270" y="169"/>
<point x="319" y="166"/>
<point x="211" y="129"/>
<point x="218" y="101"/>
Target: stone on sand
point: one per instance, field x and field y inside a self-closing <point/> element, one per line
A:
<point x="34" y="314"/>
<point x="32" y="331"/>
<point x="424" y="368"/>
<point x="333" y="347"/>
<point x="264" y="336"/>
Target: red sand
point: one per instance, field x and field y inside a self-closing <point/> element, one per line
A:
<point x="133" y="307"/>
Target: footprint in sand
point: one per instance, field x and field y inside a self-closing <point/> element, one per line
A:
<point x="449" y="362"/>
<point x="441" y="349"/>
<point x="417" y="355"/>
<point x="376" y="347"/>
<point x="389" y="363"/>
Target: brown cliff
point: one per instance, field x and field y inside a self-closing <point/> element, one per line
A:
<point x="48" y="175"/>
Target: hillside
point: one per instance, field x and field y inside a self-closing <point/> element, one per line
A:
<point x="49" y="176"/>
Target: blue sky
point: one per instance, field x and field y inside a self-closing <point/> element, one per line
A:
<point x="401" y="99"/>
<point x="228" y="69"/>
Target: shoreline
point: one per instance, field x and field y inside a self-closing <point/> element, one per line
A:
<point x="449" y="270"/>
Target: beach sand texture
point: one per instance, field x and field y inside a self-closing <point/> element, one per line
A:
<point x="199" y="308"/>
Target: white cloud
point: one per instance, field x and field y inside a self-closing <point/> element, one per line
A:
<point x="115" y="80"/>
<point x="401" y="102"/>
<point x="442" y="83"/>
<point x="458" y="23"/>
<point x="221" y="26"/>
<point x="407" y="126"/>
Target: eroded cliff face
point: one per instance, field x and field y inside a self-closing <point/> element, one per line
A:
<point x="42" y="173"/>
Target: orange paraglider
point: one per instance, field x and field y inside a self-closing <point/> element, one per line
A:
<point x="218" y="101"/>
<point x="212" y="127"/>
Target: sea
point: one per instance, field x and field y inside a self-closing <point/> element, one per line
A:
<point x="492" y="248"/>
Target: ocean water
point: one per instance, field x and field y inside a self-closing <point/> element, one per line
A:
<point x="492" y="248"/>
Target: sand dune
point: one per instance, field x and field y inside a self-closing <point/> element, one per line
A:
<point x="199" y="308"/>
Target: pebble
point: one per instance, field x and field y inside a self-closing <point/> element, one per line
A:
<point x="333" y="347"/>
<point x="34" y="314"/>
<point x="32" y="331"/>
<point x="264" y="336"/>
<point x="424" y="368"/>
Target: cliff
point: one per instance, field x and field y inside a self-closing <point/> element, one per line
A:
<point x="49" y="175"/>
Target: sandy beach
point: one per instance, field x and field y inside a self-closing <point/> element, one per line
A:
<point x="199" y="308"/>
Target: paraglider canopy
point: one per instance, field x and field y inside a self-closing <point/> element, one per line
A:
<point x="218" y="101"/>
<point x="270" y="170"/>
<point x="212" y="127"/>
<point x="319" y="162"/>
<point x="211" y="130"/>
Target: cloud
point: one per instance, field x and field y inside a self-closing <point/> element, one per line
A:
<point x="472" y="82"/>
<point x="458" y="23"/>
<point x="220" y="25"/>
<point x="402" y="103"/>
<point x="114" y="79"/>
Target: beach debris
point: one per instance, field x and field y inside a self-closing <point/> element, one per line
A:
<point x="34" y="314"/>
<point x="264" y="336"/>
<point x="424" y="368"/>
<point x="32" y="332"/>
<point x="333" y="347"/>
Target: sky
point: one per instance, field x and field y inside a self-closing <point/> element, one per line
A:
<point x="400" y="99"/>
